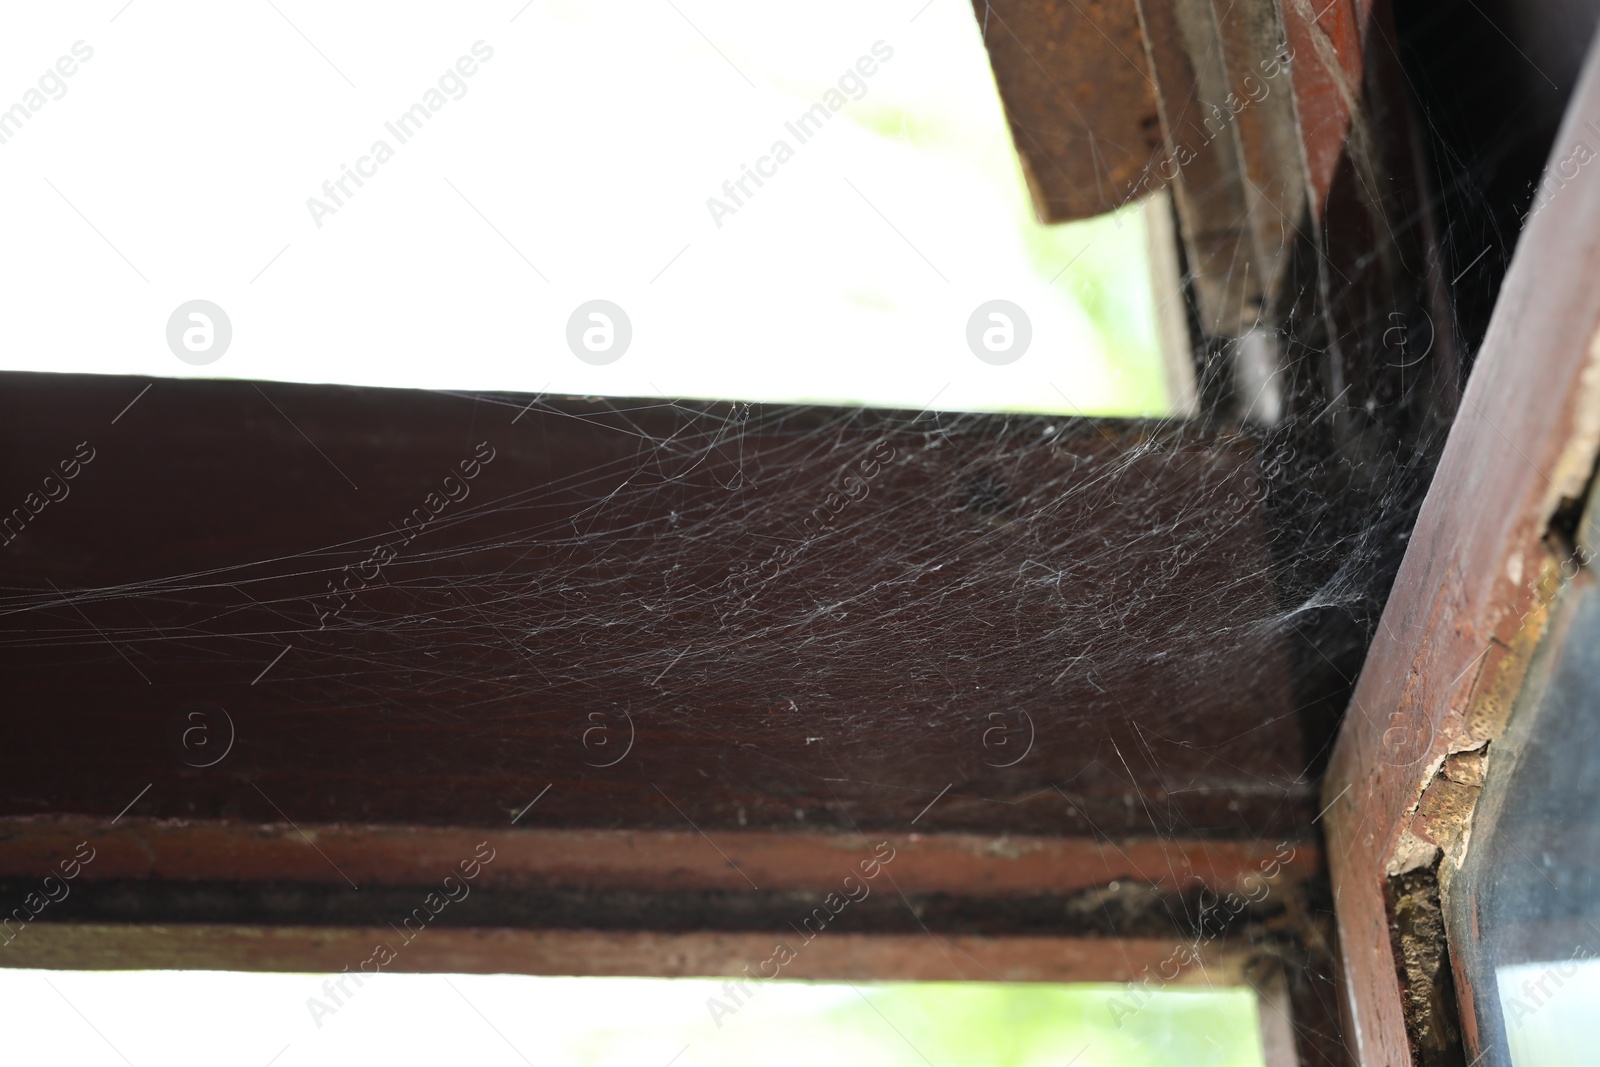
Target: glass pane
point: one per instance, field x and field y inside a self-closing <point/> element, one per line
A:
<point x="177" y="1018"/>
<point x="816" y="204"/>
<point x="1524" y="910"/>
<point x="1548" y="1007"/>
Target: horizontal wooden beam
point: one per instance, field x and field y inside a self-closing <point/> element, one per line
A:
<point x="1076" y="86"/>
<point x="673" y="615"/>
<point x="647" y="861"/>
<point x="1473" y="590"/>
<point x="176" y="893"/>
<point x="831" y="956"/>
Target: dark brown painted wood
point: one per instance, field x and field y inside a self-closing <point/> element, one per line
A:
<point x="642" y="564"/>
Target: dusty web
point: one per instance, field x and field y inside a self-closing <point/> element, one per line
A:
<point x="819" y="617"/>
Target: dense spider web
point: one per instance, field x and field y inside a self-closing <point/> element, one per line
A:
<point x="1207" y="583"/>
<point x="836" y="603"/>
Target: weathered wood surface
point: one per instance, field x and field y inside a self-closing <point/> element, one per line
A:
<point x="1078" y="95"/>
<point x="836" y="956"/>
<point x="1073" y="599"/>
<point x="1523" y="444"/>
<point x="661" y="860"/>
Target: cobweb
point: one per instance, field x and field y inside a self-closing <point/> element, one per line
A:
<point x="840" y="578"/>
<point x="837" y="611"/>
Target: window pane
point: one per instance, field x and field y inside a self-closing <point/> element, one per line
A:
<point x="1524" y="910"/>
<point x="820" y="204"/>
<point x="177" y="1018"/>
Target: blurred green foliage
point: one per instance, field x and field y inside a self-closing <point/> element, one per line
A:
<point x="940" y="1024"/>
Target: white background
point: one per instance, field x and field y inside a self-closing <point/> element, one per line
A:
<point x="179" y="161"/>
